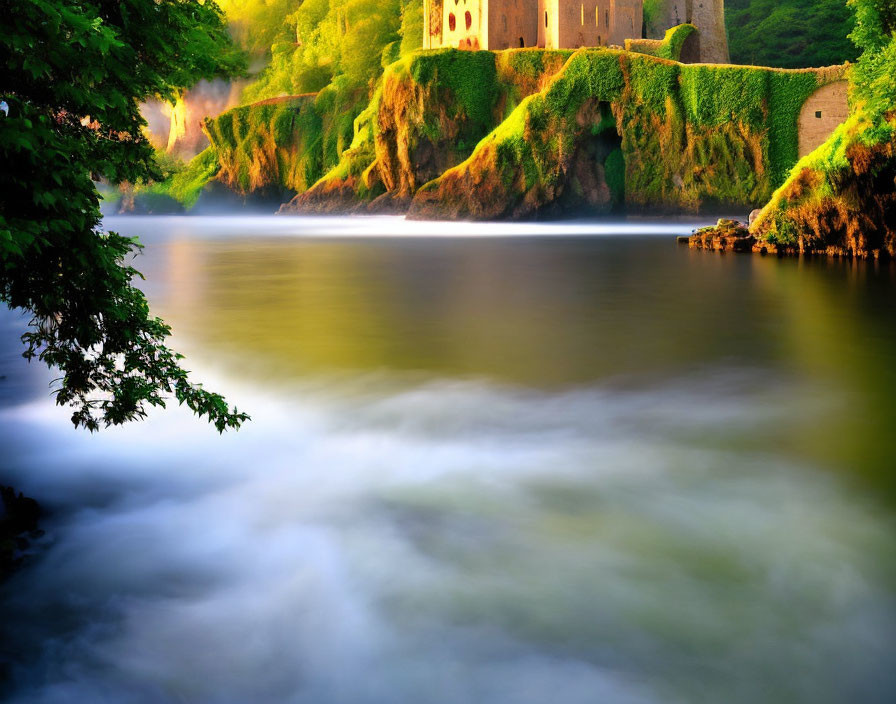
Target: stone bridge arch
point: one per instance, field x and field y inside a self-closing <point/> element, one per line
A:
<point x="825" y="110"/>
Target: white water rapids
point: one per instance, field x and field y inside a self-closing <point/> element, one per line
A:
<point x="405" y="533"/>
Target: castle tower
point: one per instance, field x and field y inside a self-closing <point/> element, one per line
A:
<point x="707" y="15"/>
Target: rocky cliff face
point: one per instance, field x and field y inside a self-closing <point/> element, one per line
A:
<point x="429" y="114"/>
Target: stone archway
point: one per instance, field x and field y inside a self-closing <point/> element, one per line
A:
<point x="824" y="111"/>
<point x="690" y="50"/>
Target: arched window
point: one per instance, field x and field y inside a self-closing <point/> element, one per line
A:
<point x="452" y="22"/>
<point x="545" y="18"/>
<point x="468" y="20"/>
<point x="522" y="43"/>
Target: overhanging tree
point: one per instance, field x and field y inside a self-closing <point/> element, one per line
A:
<point x="73" y="75"/>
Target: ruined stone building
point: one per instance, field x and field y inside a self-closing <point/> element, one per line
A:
<point x="567" y="24"/>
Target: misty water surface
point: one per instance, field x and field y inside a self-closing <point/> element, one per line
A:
<point x="502" y="464"/>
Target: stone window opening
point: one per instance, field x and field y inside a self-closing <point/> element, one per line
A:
<point x="818" y="114"/>
<point x="468" y="20"/>
<point x="522" y="43"/>
<point x="583" y="14"/>
<point x="452" y="22"/>
<point x="545" y="18"/>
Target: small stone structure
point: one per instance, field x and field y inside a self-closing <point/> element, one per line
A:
<point x="824" y="111"/>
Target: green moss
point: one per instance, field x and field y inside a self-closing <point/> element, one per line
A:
<point x="614" y="168"/>
<point x="788" y="92"/>
<point x="470" y="76"/>
<point x="674" y="41"/>
<point x="440" y="103"/>
<point x="184" y="186"/>
<point x="287" y="143"/>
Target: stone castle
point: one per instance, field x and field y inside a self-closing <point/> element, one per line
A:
<point x="569" y="24"/>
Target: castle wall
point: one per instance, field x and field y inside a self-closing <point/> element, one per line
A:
<point x="627" y="19"/>
<point x="709" y="17"/>
<point x="432" y="23"/>
<point x="508" y="24"/>
<point x="464" y="24"/>
<point x="512" y="24"/>
<point x="824" y="111"/>
<point x="590" y="23"/>
<point x="548" y="27"/>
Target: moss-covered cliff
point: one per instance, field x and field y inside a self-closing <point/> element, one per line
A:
<point x="841" y="199"/>
<point x="688" y="138"/>
<point x="429" y="113"/>
<point x="282" y="143"/>
<point x="520" y="133"/>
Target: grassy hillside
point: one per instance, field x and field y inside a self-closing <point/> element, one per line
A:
<point x="790" y="33"/>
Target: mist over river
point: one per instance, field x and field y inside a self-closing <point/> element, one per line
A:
<point x="507" y="464"/>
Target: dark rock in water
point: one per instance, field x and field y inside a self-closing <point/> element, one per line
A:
<point x="727" y="235"/>
<point x="18" y="523"/>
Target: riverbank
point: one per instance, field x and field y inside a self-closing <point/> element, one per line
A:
<point x="734" y="236"/>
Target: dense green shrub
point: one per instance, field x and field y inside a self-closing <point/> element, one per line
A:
<point x="789" y="33"/>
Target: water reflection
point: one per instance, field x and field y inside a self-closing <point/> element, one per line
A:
<point x="553" y="469"/>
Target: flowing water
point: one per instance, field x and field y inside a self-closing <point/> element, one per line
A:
<point x="500" y="464"/>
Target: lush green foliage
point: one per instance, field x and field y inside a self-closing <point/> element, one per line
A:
<point x="789" y="33"/>
<point x="73" y="75"/>
<point x="342" y="40"/>
<point x="256" y="24"/>
<point x="874" y="77"/>
<point x="185" y="182"/>
<point x="439" y="103"/>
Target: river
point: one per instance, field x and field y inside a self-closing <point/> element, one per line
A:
<point x="506" y="464"/>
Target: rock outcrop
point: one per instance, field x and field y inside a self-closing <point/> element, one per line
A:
<point x="840" y="201"/>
